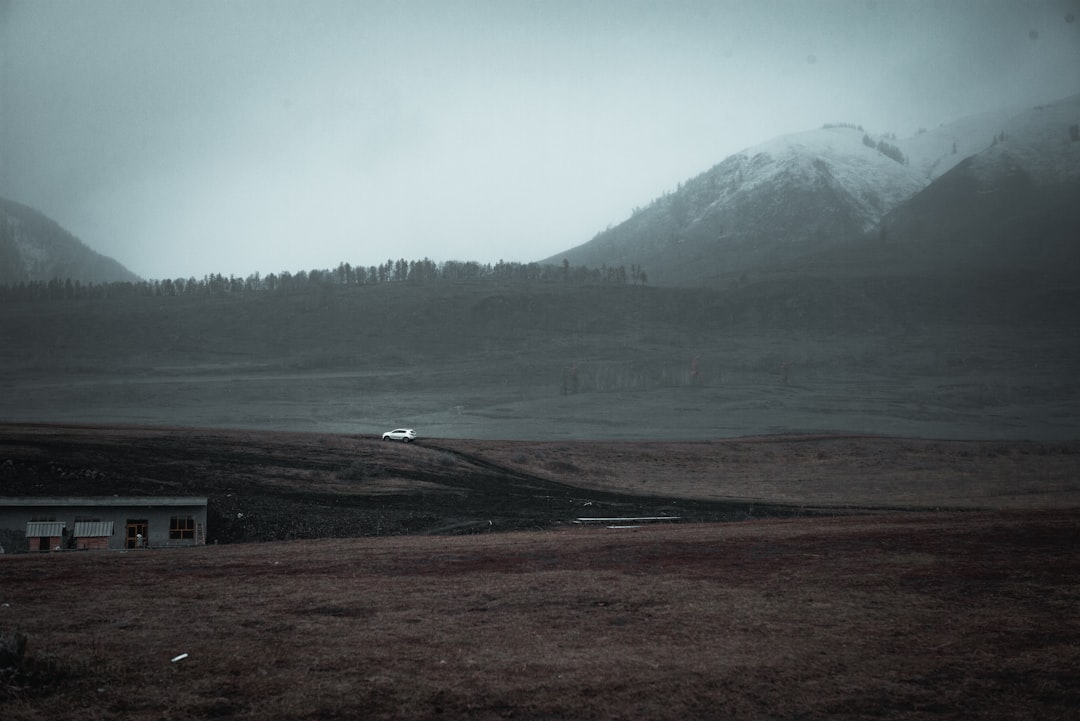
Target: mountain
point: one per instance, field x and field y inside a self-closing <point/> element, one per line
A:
<point x="1011" y="206"/>
<point x="36" y="248"/>
<point x="992" y="239"/>
<point x="804" y="194"/>
<point x="782" y="198"/>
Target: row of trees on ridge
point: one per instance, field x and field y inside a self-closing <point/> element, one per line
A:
<point x="423" y="271"/>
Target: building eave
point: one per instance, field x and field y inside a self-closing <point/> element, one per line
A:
<point x="102" y="501"/>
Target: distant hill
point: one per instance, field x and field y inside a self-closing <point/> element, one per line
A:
<point x="756" y="208"/>
<point x="805" y="194"/>
<point x="1010" y="208"/>
<point x="36" y="248"/>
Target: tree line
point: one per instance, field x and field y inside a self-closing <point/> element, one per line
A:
<point x="886" y="149"/>
<point x="423" y="271"/>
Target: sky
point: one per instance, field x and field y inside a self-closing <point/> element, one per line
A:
<point x="188" y="137"/>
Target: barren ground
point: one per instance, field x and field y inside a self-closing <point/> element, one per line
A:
<point x="853" y="600"/>
<point x="945" y="616"/>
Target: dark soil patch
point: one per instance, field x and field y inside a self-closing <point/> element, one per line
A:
<point x="265" y="486"/>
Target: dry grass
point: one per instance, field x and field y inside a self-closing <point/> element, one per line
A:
<point x="812" y="469"/>
<point x="921" y="616"/>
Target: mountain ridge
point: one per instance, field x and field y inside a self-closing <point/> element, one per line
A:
<point x="802" y="193"/>
<point x="33" y="247"/>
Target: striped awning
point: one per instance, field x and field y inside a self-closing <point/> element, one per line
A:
<point x="44" y="529"/>
<point x="93" y="529"/>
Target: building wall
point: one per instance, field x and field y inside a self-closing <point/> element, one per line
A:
<point x="156" y="514"/>
<point x="33" y="543"/>
<point x="96" y="543"/>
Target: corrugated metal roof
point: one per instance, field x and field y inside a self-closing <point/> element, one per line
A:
<point x="93" y="529"/>
<point x="48" y="529"/>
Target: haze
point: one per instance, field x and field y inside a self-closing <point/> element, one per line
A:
<point x="193" y="137"/>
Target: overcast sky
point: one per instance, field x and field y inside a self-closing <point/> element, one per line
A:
<point x="190" y="137"/>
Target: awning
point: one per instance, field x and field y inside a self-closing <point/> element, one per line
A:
<point x="93" y="529"/>
<point x="44" y="529"/>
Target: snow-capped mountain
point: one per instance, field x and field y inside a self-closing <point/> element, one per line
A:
<point x="35" y="248"/>
<point x="995" y="238"/>
<point x="1043" y="143"/>
<point x="1013" y="205"/>
<point x="801" y="194"/>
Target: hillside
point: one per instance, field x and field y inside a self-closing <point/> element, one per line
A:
<point x="767" y="204"/>
<point x="35" y="248"/>
<point x="1003" y="219"/>
<point x="551" y="360"/>
<point x="274" y="486"/>
<point x="809" y="193"/>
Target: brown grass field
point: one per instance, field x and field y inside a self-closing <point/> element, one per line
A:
<point x="959" y="616"/>
<point x="897" y="613"/>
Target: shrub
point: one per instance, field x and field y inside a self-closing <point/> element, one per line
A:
<point x="361" y="470"/>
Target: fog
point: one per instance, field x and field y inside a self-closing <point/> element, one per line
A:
<point x="197" y="136"/>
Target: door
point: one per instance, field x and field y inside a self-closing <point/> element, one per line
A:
<point x="136" y="533"/>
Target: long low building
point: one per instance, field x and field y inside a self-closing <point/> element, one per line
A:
<point x="109" y="522"/>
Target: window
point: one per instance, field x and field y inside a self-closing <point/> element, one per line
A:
<point x="181" y="528"/>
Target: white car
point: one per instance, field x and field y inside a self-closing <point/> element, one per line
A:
<point x="400" y="434"/>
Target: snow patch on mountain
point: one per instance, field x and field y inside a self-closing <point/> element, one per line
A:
<point x="1043" y="142"/>
<point x="801" y="193"/>
<point x="1038" y="140"/>
<point x="935" y="152"/>
<point x="32" y="253"/>
<point x="874" y="182"/>
<point x="35" y="248"/>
